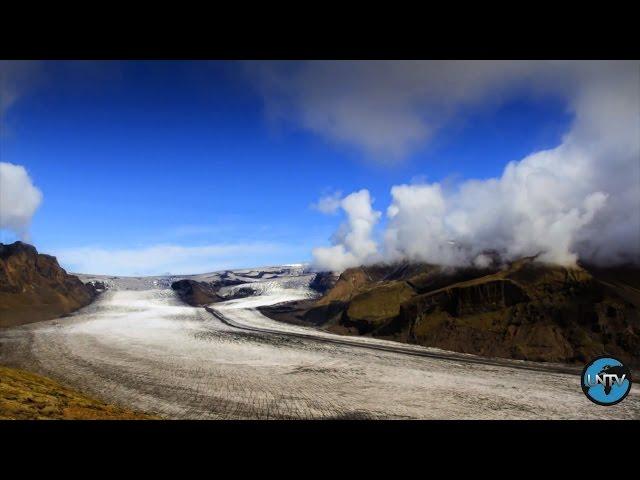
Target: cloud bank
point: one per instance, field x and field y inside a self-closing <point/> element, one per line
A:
<point x="19" y="199"/>
<point x="580" y="200"/>
<point x="162" y="259"/>
<point x="389" y="109"/>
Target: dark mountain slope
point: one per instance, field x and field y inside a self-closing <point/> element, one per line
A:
<point x="34" y="287"/>
<point x="196" y="293"/>
<point x="526" y="310"/>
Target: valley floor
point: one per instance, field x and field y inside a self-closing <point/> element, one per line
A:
<point x="145" y="350"/>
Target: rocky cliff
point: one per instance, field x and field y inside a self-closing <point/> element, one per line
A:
<point x="34" y="287"/>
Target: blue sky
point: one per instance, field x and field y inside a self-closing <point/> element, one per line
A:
<point x="132" y="155"/>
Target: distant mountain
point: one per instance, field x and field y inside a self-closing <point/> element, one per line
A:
<point x="34" y="287"/>
<point x="206" y="288"/>
<point x="525" y="310"/>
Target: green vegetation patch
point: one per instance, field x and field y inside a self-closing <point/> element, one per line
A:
<point x="380" y="303"/>
<point x="27" y="396"/>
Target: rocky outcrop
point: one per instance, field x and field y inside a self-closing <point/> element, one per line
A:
<point x="196" y="293"/>
<point x="242" y="292"/>
<point x="323" y="282"/>
<point x="98" y="286"/>
<point x="34" y="287"/>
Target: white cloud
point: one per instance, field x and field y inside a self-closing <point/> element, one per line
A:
<point x="19" y="199"/>
<point x="388" y="109"/>
<point x="353" y="243"/>
<point x="328" y="204"/>
<point x="161" y="259"/>
<point x="578" y="200"/>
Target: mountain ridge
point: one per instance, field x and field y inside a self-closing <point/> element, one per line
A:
<point x="526" y="310"/>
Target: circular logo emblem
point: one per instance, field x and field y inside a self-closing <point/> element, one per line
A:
<point x="606" y="381"/>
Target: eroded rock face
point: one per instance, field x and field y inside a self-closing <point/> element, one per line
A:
<point x="323" y="282"/>
<point x="469" y="299"/>
<point x="34" y="287"/>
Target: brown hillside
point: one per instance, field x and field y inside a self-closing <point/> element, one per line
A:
<point x="34" y="287"/>
<point x="526" y="310"/>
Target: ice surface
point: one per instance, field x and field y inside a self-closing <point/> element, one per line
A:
<point x="139" y="346"/>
